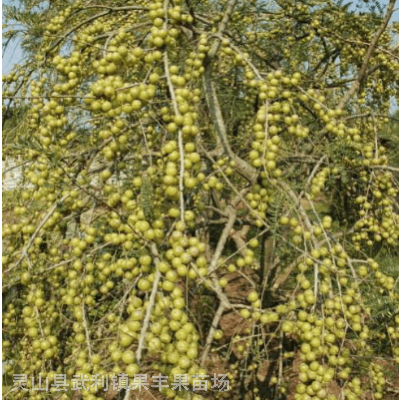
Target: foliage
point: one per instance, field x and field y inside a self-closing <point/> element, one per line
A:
<point x="206" y="184"/>
<point x="390" y="137"/>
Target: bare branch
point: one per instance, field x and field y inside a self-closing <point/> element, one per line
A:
<point x="211" y="332"/>
<point x="231" y="211"/>
<point x="180" y="139"/>
<point x="146" y="320"/>
<point x="86" y="329"/>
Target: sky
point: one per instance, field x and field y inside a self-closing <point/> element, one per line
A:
<point x="12" y="56"/>
<point x="13" y="53"/>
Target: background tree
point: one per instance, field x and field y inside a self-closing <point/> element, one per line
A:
<point x="206" y="190"/>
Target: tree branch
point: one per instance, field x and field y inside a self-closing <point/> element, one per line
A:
<point x="231" y="212"/>
<point x="357" y="83"/>
<point x="146" y="320"/>
<point x="246" y="170"/>
<point x="210" y="336"/>
<point x="45" y="219"/>
<point x="180" y="139"/>
<point x="73" y="29"/>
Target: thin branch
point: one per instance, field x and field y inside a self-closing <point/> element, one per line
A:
<point x="238" y="238"/>
<point x="45" y="219"/>
<point x="211" y="332"/>
<point x="16" y="166"/>
<point x="387" y="167"/>
<point x="308" y="224"/>
<point x="231" y="211"/>
<point x="60" y="264"/>
<point x="314" y="171"/>
<point x="127" y="8"/>
<point x="86" y="330"/>
<point x="39" y="321"/>
<point x="146" y="320"/>
<point x="357" y="83"/>
<point x="221" y="28"/>
<point x="180" y="138"/>
<point x="116" y="31"/>
<point x="246" y="170"/>
<point x="73" y="29"/>
<point x="48" y="97"/>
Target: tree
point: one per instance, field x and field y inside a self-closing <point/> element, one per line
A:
<point x="205" y="191"/>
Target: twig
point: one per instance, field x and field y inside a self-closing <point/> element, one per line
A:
<point x="59" y="96"/>
<point x="245" y="169"/>
<point x="60" y="264"/>
<point x="16" y="166"/>
<point x="280" y="370"/>
<point x="216" y="287"/>
<point x="221" y="28"/>
<point x="146" y="320"/>
<point x="356" y="84"/>
<point x="73" y="29"/>
<point x="147" y="317"/>
<point x="86" y="329"/>
<point x="210" y="336"/>
<point x="231" y="211"/>
<point x="131" y="28"/>
<point x="238" y="238"/>
<point x="314" y="171"/>
<point x="45" y="219"/>
<point x="388" y="167"/>
<point x="308" y="224"/>
<point x="229" y="183"/>
<point x="127" y="8"/>
<point x="180" y="139"/>
<point x="40" y="322"/>
<point x="375" y="136"/>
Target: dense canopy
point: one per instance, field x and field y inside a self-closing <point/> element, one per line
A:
<point x="205" y="190"/>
